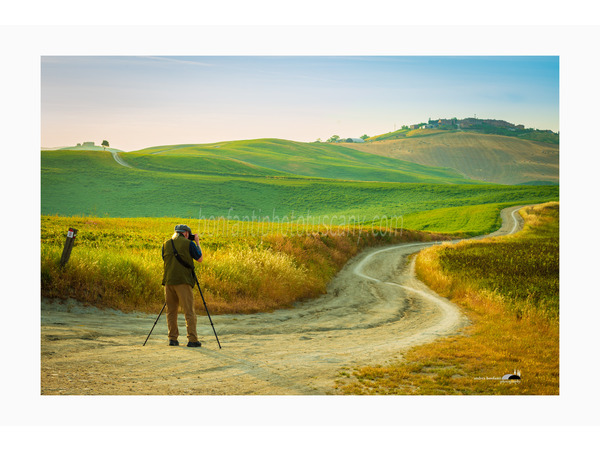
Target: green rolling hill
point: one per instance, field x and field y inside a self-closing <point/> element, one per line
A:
<point x="277" y="157"/>
<point x="478" y="156"/>
<point x="279" y="179"/>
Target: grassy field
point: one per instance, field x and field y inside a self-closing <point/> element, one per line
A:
<point x="485" y="157"/>
<point x="278" y="218"/>
<point x="509" y="288"/>
<point x="461" y="220"/>
<point x="249" y="266"/>
<point x="277" y="157"/>
<point x="92" y="183"/>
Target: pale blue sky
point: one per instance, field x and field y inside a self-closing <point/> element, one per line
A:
<point x="141" y="101"/>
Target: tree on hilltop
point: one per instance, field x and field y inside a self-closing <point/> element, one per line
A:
<point x="105" y="144"/>
<point x="333" y="138"/>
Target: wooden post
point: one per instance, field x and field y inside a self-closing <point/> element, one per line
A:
<point x="66" y="254"/>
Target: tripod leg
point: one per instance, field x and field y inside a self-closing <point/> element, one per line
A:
<point x="208" y="314"/>
<point x="206" y="308"/>
<point x="159" y="314"/>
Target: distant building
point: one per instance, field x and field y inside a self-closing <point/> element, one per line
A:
<point x="91" y="144"/>
<point x="428" y="126"/>
<point x="358" y="140"/>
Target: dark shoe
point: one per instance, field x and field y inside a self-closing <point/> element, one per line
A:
<point x="174" y="343"/>
<point x="194" y="344"/>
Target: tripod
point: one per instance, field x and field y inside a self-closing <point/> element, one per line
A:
<point x="205" y="307"/>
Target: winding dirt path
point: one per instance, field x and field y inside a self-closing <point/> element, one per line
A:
<point x="119" y="160"/>
<point x="374" y="310"/>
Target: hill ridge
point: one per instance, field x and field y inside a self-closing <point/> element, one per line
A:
<point x="485" y="126"/>
<point x="483" y="157"/>
<point x="280" y="157"/>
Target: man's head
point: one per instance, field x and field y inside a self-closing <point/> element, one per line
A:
<point x="184" y="230"/>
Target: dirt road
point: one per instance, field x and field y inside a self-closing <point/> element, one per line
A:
<point x="119" y="160"/>
<point x="374" y="310"/>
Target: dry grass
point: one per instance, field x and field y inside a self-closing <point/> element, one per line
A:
<point x="504" y="335"/>
<point x="116" y="263"/>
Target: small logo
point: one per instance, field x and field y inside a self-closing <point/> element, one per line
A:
<point x="515" y="376"/>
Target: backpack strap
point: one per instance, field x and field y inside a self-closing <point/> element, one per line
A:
<point x="183" y="263"/>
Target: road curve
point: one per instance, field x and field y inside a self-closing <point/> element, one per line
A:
<point x="374" y="310"/>
<point x="119" y="160"/>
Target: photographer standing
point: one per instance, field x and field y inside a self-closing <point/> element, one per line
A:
<point x="178" y="255"/>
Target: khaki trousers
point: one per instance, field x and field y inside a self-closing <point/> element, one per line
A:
<point x="174" y="294"/>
